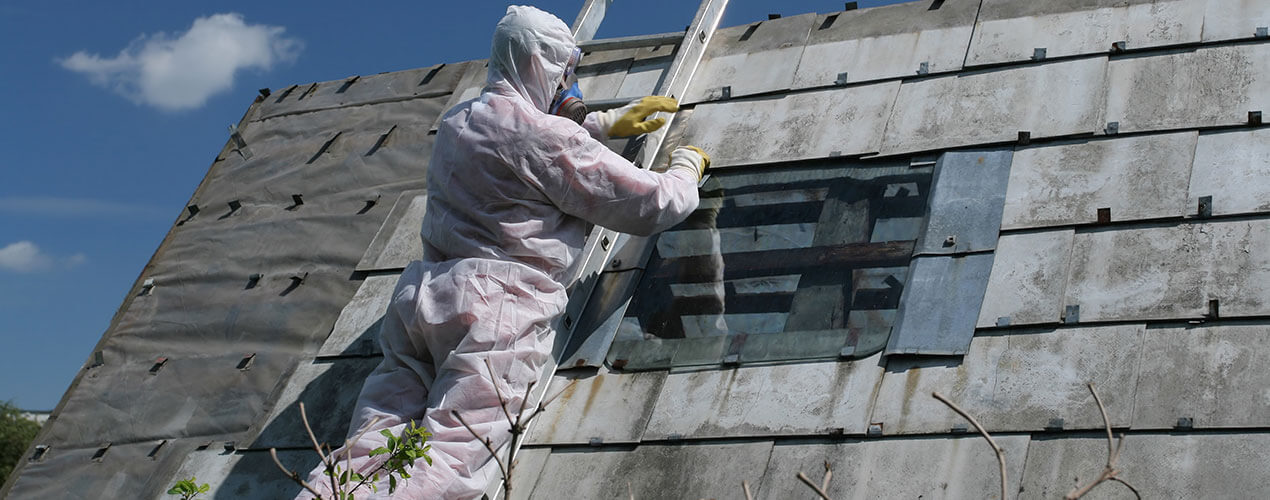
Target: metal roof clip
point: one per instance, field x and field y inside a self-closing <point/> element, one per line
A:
<point x="1262" y="32"/>
<point x="1205" y="208"/>
<point x="1254" y="118"/>
<point x="1112" y="128"/>
<point x="1038" y="54"/>
<point x="239" y="143"/>
<point x="923" y="68"/>
<point x="147" y="286"/>
<point x="1071" y="315"/>
<point x="842" y="79"/>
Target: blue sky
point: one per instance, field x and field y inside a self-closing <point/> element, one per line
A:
<point x="113" y="111"/>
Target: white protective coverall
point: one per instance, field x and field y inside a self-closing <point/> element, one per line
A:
<point x="511" y="192"/>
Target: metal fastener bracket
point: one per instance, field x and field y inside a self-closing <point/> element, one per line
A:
<point x="1205" y="209"/>
<point x="101" y="452"/>
<point x="1003" y="321"/>
<point x="1055" y="424"/>
<point x="1104" y="215"/>
<point x="923" y="68"/>
<point x="239" y="143"/>
<point x="158" y="365"/>
<point x="1262" y="32"/>
<point x="960" y="428"/>
<point x="842" y="79"/>
<point x="1254" y="118"/>
<point x="1038" y="54"/>
<point x="234" y="205"/>
<point x="1112" y="128"/>
<point x="1118" y="46"/>
<point x="1025" y="138"/>
<point x="245" y="363"/>
<point x="147" y="286"/>
<point x="1214" y="310"/>
<point x="595" y="441"/>
<point x="875" y="429"/>
<point x="1185" y="423"/>
<point x="1071" y="315"/>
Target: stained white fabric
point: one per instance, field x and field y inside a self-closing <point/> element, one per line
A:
<point x="511" y="193"/>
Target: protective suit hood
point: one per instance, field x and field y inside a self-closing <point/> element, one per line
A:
<point x="530" y="53"/>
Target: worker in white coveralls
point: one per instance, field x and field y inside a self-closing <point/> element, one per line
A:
<point x="512" y="190"/>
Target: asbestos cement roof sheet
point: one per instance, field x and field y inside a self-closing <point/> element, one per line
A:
<point x="1011" y="30"/>
<point x="1202" y="87"/>
<point x="356" y="331"/>
<point x="398" y="241"/>
<point x="1020" y="381"/>
<point x="805" y="398"/>
<point x="1158" y="465"/>
<point x="652" y="471"/>
<point x="791" y="127"/>
<point x="752" y="59"/>
<point x="1027" y="280"/>
<point x="892" y="41"/>
<point x="1232" y="168"/>
<point x="602" y="408"/>
<point x="356" y="90"/>
<point x="1234" y="19"/>
<point x="1171" y="271"/>
<point x="1212" y="374"/>
<point x="328" y="390"/>
<point x="1045" y="100"/>
<point x="1068" y="183"/>
<point x="947" y="467"/>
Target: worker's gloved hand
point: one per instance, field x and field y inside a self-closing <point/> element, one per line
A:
<point x="631" y="119"/>
<point x="691" y="158"/>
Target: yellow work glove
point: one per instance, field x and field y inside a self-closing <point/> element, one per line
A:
<point x="631" y="119"/>
<point x="691" y="158"/>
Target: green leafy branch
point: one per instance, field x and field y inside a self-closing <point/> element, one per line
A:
<point x="402" y="451"/>
<point x="188" y="488"/>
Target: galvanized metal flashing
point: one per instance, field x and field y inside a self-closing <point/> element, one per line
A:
<point x="940" y="306"/>
<point x="966" y="201"/>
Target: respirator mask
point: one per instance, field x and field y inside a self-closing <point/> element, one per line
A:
<point x="568" y="102"/>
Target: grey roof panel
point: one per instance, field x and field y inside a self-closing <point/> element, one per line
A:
<point x="1010" y="30"/>
<point x="398" y="241"/>
<point x="1069" y="183"/>
<point x="1204" y="87"/>
<point x="1028" y="276"/>
<point x="246" y="474"/>
<point x="793" y="126"/>
<point x="1232" y="168"/>
<point x="128" y="400"/>
<point x="1017" y="382"/>
<point x="356" y="331"/>
<point x="1158" y="465"/>
<point x="652" y="471"/>
<point x="940" y="306"/>
<point x="805" y="398"/>
<point x="355" y="91"/>
<point x="647" y="71"/>
<point x="1234" y="19"/>
<point x="124" y="470"/>
<point x="966" y="202"/>
<point x="329" y="390"/>
<point x="886" y="42"/>
<point x="957" y="467"/>
<point x="751" y="59"/>
<point x="1212" y="374"/>
<point x="1047" y="100"/>
<point x="600" y="74"/>
<point x="610" y="407"/>
<point x="1139" y="273"/>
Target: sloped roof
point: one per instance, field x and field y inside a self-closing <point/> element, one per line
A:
<point x="1093" y="178"/>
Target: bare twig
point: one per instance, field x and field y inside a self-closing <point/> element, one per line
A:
<point x="502" y="403"/>
<point x="327" y="460"/>
<point x="819" y="491"/>
<point x="745" y="485"/>
<point x="629" y="492"/>
<point x="295" y="476"/>
<point x="992" y="442"/>
<point x="1109" y="472"/>
<point x="824" y="484"/>
<point x="485" y="441"/>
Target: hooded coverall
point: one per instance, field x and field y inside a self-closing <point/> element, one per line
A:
<point x="512" y="191"/>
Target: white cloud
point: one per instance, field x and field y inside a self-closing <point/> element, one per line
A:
<point x="24" y="257"/>
<point x="181" y="72"/>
